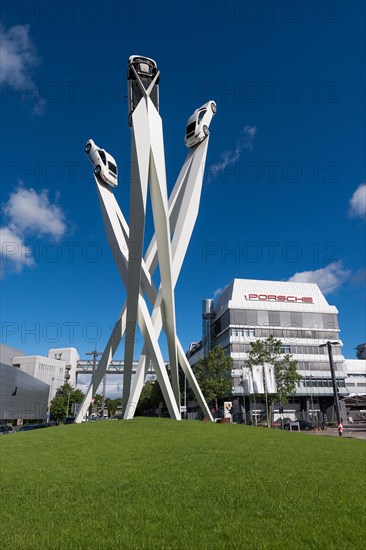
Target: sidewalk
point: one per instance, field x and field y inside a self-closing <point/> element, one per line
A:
<point x="357" y="431"/>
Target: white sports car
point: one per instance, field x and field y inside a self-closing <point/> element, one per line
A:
<point x="105" y="165"/>
<point x="197" y="124"/>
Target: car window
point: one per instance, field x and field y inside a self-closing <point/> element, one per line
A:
<point x="112" y="167"/>
<point x="201" y="115"/>
<point x="191" y="127"/>
<point x="102" y="156"/>
<point x="145" y="68"/>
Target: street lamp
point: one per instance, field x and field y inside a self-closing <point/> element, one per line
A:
<point x="329" y="345"/>
<point x="245" y="410"/>
<point x="95" y="354"/>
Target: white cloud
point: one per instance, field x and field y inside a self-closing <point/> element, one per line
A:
<point x="328" y="278"/>
<point x="32" y="212"/>
<point x="18" y="58"/>
<point x="113" y="389"/>
<point x="13" y="252"/>
<point x="357" y="203"/>
<point x="27" y="213"/>
<point x="231" y="157"/>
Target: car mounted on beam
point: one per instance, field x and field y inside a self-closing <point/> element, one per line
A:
<point x="198" y="124"/>
<point x="105" y="165"/>
<point x="141" y="71"/>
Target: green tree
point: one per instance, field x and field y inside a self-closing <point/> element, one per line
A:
<point x="98" y="400"/>
<point x="112" y="405"/>
<point x="213" y="374"/>
<point x="151" y="398"/>
<point x="58" y="408"/>
<point x="62" y="403"/>
<point x="286" y="375"/>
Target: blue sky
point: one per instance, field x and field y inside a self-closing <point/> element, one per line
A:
<point x="285" y="179"/>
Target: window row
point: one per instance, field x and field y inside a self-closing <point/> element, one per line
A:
<point x="286" y="334"/>
<point x="320" y="383"/>
<point x="283" y="318"/>
<point x="237" y="347"/>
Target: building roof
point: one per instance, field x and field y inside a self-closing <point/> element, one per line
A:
<point x="355" y="366"/>
<point x="244" y="293"/>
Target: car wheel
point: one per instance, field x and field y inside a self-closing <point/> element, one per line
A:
<point x="307" y="428"/>
<point x="87" y="148"/>
<point x="213" y="108"/>
<point x="205" y="129"/>
<point x="97" y="170"/>
<point x="286" y="427"/>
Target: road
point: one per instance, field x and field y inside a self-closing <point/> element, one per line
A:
<point x="357" y="431"/>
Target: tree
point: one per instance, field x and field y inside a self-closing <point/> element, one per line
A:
<point x="65" y="397"/>
<point x="286" y="375"/>
<point x="58" y="408"/>
<point x="112" y="405"/>
<point x="213" y="374"/>
<point x="151" y="398"/>
<point x="98" y="400"/>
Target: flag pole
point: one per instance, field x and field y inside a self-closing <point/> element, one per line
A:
<point x="245" y="411"/>
<point x="265" y="388"/>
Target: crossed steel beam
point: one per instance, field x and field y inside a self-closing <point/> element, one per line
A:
<point x="174" y="221"/>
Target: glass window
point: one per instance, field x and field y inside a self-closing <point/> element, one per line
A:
<point x="274" y="318"/>
<point x="144" y="68"/>
<point x="102" y="156"/>
<point x="296" y="320"/>
<point x="190" y="128"/>
<point x="112" y="167"/>
<point x="201" y="115"/>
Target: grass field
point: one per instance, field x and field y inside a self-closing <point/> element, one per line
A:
<point x="159" y="484"/>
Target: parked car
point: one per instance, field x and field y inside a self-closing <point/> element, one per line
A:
<point x="303" y="424"/>
<point x="5" y="429"/>
<point x="29" y="427"/>
<point x="105" y="165"/>
<point x="143" y="69"/>
<point x="198" y="124"/>
<point x="278" y="423"/>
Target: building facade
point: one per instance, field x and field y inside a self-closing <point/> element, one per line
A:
<point x="356" y="377"/>
<point x="295" y="313"/>
<point x="55" y="370"/>
<point x="22" y="397"/>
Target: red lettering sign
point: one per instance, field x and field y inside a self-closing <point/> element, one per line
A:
<point x="275" y="298"/>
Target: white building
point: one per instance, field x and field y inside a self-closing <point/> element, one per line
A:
<point x="356" y="377"/>
<point x="298" y="314"/>
<point x="22" y="397"/>
<point x="71" y="358"/>
<point x="55" y="370"/>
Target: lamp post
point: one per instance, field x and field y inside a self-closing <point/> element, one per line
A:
<point x="49" y="400"/>
<point x="245" y="410"/>
<point x="329" y="345"/>
<point x="95" y="354"/>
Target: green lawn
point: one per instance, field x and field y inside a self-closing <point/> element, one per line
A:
<point x="158" y="484"/>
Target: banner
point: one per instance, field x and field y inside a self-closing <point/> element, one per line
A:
<point x="258" y="379"/>
<point x="247" y="382"/>
<point x="227" y="408"/>
<point x="269" y="376"/>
